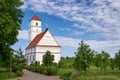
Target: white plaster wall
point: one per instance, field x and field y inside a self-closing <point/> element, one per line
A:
<point x="33" y="23"/>
<point x="48" y="39"/>
<point x="39" y="57"/>
<point x="44" y="49"/>
<point x="33" y="29"/>
<point x="56" y="57"/>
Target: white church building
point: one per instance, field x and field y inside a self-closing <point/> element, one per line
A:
<point x="40" y="42"/>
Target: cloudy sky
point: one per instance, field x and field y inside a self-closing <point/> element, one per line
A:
<point x="97" y="22"/>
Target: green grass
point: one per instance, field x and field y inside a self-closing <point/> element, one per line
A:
<point x="91" y="74"/>
<point x="4" y="74"/>
<point x="62" y="71"/>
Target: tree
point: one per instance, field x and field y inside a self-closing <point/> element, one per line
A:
<point x="10" y="20"/>
<point x="112" y="63"/>
<point x="83" y="57"/>
<point x="19" y="61"/>
<point x="117" y="59"/>
<point x="105" y="59"/>
<point x="47" y="59"/>
<point x="98" y="60"/>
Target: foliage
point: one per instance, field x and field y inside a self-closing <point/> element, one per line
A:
<point x="66" y="63"/>
<point x="19" y="73"/>
<point x="47" y="70"/>
<point x="10" y="20"/>
<point x="19" y="61"/>
<point x="105" y="59"/>
<point x="83" y="57"/>
<point x="5" y="75"/>
<point x="66" y="74"/>
<point x="117" y="59"/>
<point x="47" y="59"/>
<point x="112" y="63"/>
<point x="97" y="60"/>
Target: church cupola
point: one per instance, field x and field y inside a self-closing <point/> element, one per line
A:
<point x="34" y="27"/>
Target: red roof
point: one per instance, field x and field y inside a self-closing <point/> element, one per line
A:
<point x="35" y="17"/>
<point x="34" y="42"/>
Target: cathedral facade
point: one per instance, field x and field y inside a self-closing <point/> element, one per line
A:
<point x="40" y="42"/>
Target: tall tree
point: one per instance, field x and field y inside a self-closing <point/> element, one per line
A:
<point x="18" y="61"/>
<point x="117" y="59"/>
<point x="98" y="60"/>
<point x="83" y="57"/>
<point x="10" y="20"/>
<point x="47" y="59"/>
<point x="105" y="60"/>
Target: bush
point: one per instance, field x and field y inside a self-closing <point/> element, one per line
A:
<point x="66" y="76"/>
<point x="19" y="73"/>
<point x="51" y="70"/>
<point x="48" y="70"/>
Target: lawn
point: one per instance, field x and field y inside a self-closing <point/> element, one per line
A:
<point x="91" y="74"/>
<point x="4" y="74"/>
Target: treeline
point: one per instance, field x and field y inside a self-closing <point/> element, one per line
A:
<point x="85" y="57"/>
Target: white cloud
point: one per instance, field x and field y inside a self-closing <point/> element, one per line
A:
<point x="65" y="29"/>
<point x="99" y="16"/>
<point x="110" y="46"/>
<point x="23" y="34"/>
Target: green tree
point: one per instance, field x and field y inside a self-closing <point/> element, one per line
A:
<point x="10" y="20"/>
<point x="112" y="63"/>
<point x="19" y="61"/>
<point x="98" y="60"/>
<point x="83" y="57"/>
<point x="47" y="59"/>
<point x="105" y="60"/>
<point x="117" y="59"/>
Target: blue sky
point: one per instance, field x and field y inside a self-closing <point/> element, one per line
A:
<point x="70" y="21"/>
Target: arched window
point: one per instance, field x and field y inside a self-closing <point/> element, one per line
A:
<point x="36" y="24"/>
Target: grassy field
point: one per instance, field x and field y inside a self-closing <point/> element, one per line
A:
<point x="91" y="74"/>
<point x="5" y="75"/>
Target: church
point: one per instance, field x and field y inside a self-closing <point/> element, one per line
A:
<point x="40" y="42"/>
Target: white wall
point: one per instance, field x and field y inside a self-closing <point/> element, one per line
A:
<point x="34" y="29"/>
<point x="48" y="39"/>
<point x="33" y="23"/>
<point x="56" y="57"/>
<point x="44" y="49"/>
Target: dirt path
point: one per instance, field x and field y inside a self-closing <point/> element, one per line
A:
<point x="28" y="75"/>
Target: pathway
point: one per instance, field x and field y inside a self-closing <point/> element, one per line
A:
<point x="28" y="75"/>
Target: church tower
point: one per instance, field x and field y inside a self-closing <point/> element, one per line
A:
<point x="40" y="42"/>
<point x="35" y="27"/>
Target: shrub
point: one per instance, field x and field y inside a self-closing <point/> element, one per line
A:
<point x="66" y="76"/>
<point x="48" y="70"/>
<point x="19" y="73"/>
<point x="51" y="70"/>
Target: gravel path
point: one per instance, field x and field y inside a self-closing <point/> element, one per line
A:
<point x="28" y="75"/>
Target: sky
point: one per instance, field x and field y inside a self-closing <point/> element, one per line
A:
<point x="97" y="22"/>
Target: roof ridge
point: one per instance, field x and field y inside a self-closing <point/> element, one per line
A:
<point x="35" y="41"/>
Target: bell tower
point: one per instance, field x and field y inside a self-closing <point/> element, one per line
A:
<point x="34" y="27"/>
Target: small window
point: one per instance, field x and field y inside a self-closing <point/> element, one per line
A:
<point x="36" y="24"/>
